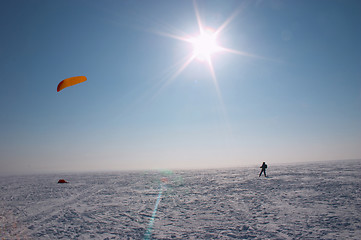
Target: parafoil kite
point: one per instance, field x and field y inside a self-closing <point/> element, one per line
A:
<point x="70" y="82"/>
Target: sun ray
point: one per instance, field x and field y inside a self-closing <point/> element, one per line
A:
<point x="240" y="52"/>
<point x="200" y="26"/>
<point x="229" y="20"/>
<point x="186" y="61"/>
<point x="164" y="79"/>
<point x="219" y="94"/>
<point x="214" y="78"/>
<point x="247" y="54"/>
<point x="180" y="70"/>
<point x="184" y="39"/>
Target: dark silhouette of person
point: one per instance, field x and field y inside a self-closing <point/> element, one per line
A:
<point x="264" y="166"/>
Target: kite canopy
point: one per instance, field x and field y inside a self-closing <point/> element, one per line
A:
<point x="70" y="82"/>
<point x="62" y="181"/>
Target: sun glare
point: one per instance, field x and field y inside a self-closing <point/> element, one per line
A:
<point x="205" y="45"/>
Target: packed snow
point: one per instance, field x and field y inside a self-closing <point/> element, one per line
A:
<point x="303" y="201"/>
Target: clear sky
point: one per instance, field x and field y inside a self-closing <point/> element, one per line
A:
<point x="285" y="86"/>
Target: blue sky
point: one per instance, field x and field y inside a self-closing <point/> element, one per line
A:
<point x="298" y="98"/>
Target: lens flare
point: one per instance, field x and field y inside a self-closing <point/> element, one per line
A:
<point x="148" y="233"/>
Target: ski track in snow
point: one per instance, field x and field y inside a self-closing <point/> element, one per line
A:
<point x="305" y="201"/>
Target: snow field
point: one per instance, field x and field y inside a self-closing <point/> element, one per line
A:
<point x="305" y="201"/>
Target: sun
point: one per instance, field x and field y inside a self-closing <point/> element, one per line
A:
<point x="205" y="44"/>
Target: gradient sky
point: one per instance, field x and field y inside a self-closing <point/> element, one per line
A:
<point x="296" y="97"/>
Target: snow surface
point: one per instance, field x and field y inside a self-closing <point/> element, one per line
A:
<point x="309" y="201"/>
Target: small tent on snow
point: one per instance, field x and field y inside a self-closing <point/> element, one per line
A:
<point x="62" y="181"/>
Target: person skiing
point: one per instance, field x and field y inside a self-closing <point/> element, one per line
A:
<point x="264" y="166"/>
